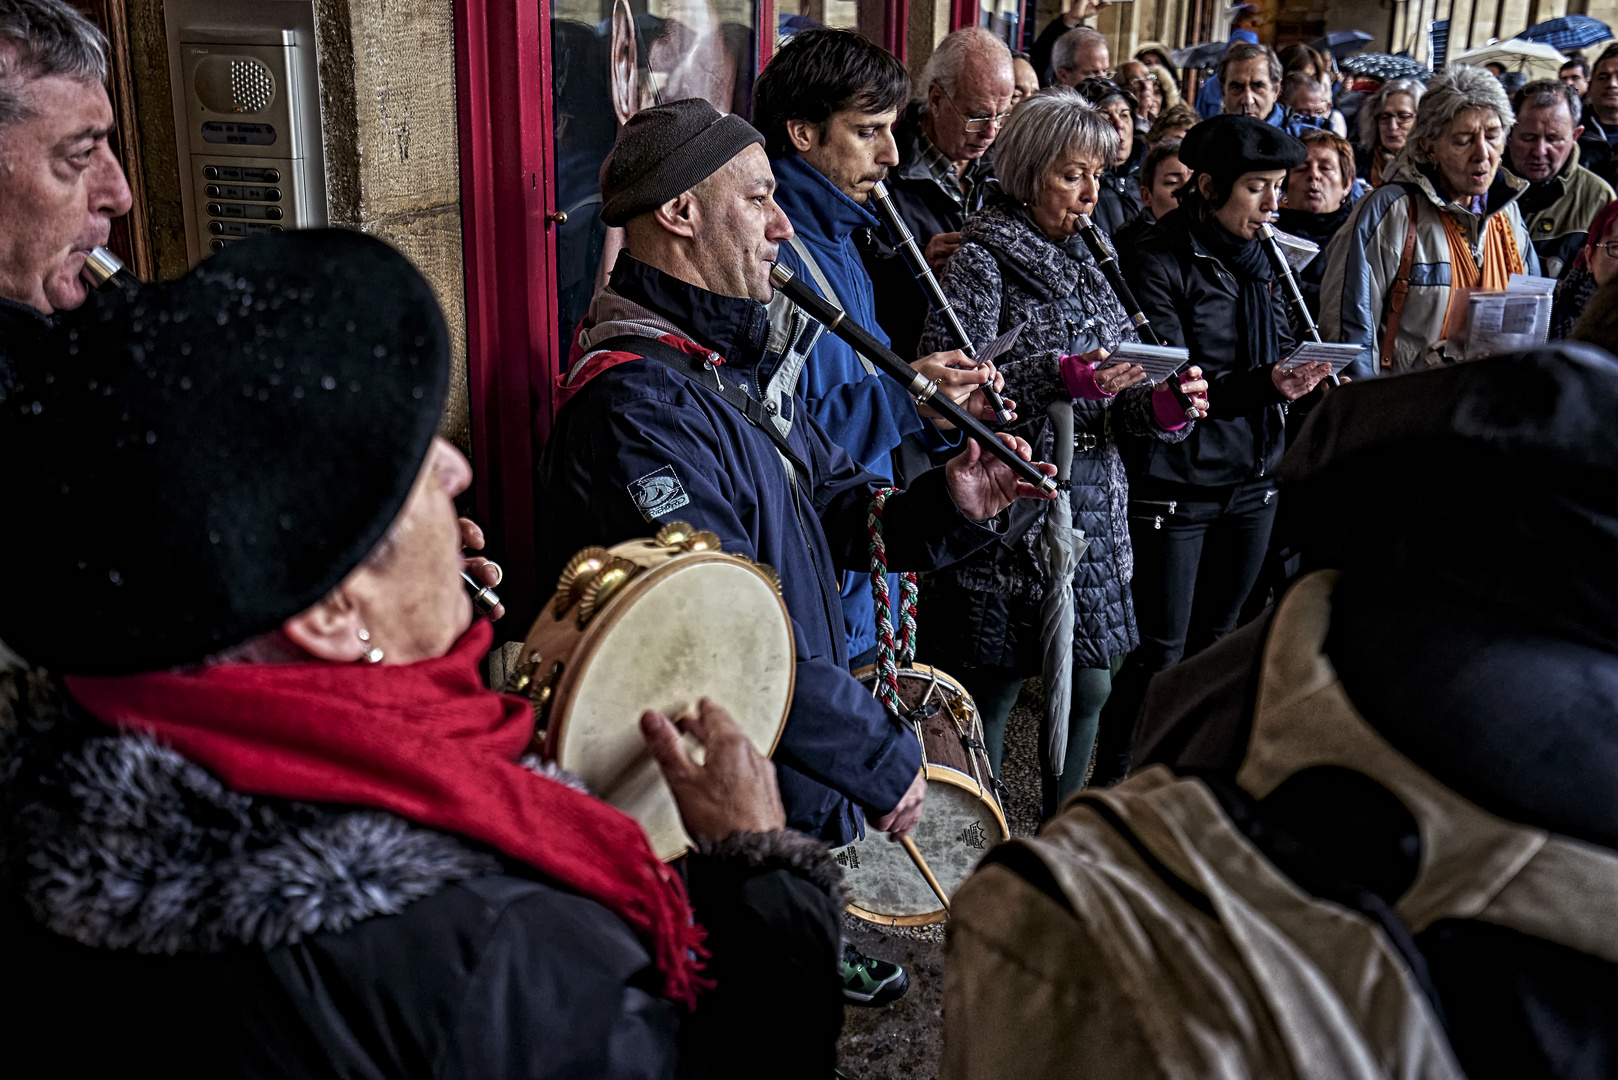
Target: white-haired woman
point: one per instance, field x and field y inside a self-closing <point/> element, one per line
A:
<point x="1021" y="264"/>
<point x="1384" y="125"/>
<point x="1445" y="220"/>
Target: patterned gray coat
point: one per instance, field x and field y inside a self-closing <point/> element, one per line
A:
<point x="985" y="609"/>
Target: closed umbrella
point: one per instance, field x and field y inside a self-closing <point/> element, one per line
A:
<point x="1569" y="32"/>
<point x="1056" y="610"/>
<point x="1341" y="42"/>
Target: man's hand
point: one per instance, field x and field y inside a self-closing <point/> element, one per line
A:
<point x="898" y="822"/>
<point x="960" y="379"/>
<point x="733" y="790"/>
<point x="1300" y="380"/>
<point x="940" y="248"/>
<point x="982" y="485"/>
<point x="482" y="570"/>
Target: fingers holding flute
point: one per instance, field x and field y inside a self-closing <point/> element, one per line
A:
<point x="961" y="379"/>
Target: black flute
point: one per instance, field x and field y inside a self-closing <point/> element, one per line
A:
<point x="1126" y="299"/>
<point x="929" y="285"/>
<point x="1289" y="286"/>
<point x="104" y="270"/>
<point x="923" y="389"/>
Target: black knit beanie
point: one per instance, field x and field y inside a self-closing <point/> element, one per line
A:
<point x="666" y="150"/>
<point x="189" y="464"/>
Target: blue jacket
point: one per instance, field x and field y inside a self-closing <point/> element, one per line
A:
<point x="865" y="413"/>
<point x="633" y="418"/>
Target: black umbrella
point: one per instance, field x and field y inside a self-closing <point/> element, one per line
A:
<point x="1569" y="32"/>
<point x="1341" y="42"/>
<point x="1201" y="56"/>
<point x="1384" y="66"/>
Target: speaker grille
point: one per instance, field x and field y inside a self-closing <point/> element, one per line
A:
<point x="252" y="87"/>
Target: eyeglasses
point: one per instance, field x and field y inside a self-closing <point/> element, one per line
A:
<point x="1402" y="119"/>
<point x="1144" y="80"/>
<point x="977" y="123"/>
<point x="1609" y="249"/>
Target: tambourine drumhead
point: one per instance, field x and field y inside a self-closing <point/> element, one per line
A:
<point x="695" y="625"/>
<point x="960" y="820"/>
<point x="958" y="826"/>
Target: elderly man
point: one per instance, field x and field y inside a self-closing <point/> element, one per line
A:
<point x="59" y="182"/>
<point x="683" y="406"/>
<point x="1078" y="13"/>
<point x="1446" y="219"/>
<point x="1078" y="55"/>
<point x="943" y="143"/>
<point x="1250" y="85"/>
<point x="1563" y="197"/>
<point x="1599" y="144"/>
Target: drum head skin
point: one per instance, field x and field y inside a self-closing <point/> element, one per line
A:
<point x="697" y="626"/>
<point x="958" y="827"/>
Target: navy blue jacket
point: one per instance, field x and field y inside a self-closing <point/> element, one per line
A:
<point x="866" y="413"/>
<point x="839" y="752"/>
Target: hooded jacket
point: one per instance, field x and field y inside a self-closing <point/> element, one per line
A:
<point x="1363" y="261"/>
<point x="1557" y="212"/>
<point x="215" y="934"/>
<point x="1192" y="300"/>
<point x="984" y="609"/>
<point x="865" y="412"/>
<point x="638" y="444"/>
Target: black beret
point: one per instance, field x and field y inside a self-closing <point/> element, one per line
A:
<point x="666" y="150"/>
<point x="1226" y="146"/>
<point x="192" y="463"/>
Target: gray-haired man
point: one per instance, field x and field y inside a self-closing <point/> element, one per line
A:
<point x="59" y="182"/>
<point x="1563" y="197"/>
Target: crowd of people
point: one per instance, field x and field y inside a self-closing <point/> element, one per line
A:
<point x="1334" y="796"/>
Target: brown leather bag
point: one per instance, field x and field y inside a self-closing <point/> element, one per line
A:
<point x="1401" y="286"/>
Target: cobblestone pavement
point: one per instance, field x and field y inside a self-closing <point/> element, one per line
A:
<point x="904" y="1040"/>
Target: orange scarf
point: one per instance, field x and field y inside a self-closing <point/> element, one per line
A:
<point x="1501" y="259"/>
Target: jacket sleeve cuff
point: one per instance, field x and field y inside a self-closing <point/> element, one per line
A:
<point x="781" y="849"/>
<point x="1080" y="378"/>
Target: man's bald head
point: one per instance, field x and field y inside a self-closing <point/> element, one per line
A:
<point x="966" y="92"/>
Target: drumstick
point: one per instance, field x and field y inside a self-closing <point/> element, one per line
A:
<point x="926" y="871"/>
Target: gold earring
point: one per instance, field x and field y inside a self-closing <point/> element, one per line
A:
<point x="372" y="655"/>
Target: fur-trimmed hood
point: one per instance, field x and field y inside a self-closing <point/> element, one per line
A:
<point x="118" y="842"/>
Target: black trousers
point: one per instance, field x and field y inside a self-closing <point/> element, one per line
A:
<point x="1198" y="551"/>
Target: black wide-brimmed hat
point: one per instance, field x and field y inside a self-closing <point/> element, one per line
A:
<point x="189" y="464"/>
<point x="1226" y="146"/>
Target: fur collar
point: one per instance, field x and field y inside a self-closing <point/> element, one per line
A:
<point x="118" y="842"/>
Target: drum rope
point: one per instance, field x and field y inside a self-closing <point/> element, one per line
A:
<point x="889" y="657"/>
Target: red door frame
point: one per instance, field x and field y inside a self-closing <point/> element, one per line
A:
<point x="503" y="81"/>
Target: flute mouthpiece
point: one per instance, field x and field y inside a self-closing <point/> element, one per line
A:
<point x="879" y="190"/>
<point x="780" y="276"/>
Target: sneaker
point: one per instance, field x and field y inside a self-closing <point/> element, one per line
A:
<point x="869" y="981"/>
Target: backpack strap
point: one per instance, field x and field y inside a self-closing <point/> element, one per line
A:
<point x="1401" y="284"/>
<point x="734" y="394"/>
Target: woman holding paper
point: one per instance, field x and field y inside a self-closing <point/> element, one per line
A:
<point x="1202" y="508"/>
<point x="1021" y="264"/>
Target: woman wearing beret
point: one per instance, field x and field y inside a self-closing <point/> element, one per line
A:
<point x="263" y="818"/>
<point x="1021" y="264"/>
<point x="1201" y="510"/>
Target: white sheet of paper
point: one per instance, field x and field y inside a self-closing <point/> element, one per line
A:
<point x="1158" y="361"/>
<point x="1299" y="252"/>
<point x="1000" y="345"/>
<point x="1323" y="352"/>
<point x="1528" y="283"/>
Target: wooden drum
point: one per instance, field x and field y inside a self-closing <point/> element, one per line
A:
<point x="960" y="821"/>
<point x="654" y="624"/>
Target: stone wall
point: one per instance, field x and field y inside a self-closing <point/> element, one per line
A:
<point x="387" y="103"/>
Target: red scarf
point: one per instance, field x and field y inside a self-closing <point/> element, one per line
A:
<point x="426" y="741"/>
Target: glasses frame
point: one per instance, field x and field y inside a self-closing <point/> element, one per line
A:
<point x="1609" y="248"/>
<point x="977" y="123"/>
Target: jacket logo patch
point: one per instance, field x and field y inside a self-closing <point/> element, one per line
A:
<point x="658" y="493"/>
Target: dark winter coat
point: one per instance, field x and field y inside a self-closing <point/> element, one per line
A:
<point x="1191" y="300"/>
<point x="157" y="923"/>
<point x="1118" y="200"/>
<point x="1318" y="228"/>
<point x="927" y="210"/>
<point x="20" y="328"/>
<point x="1595" y="152"/>
<point x="641" y="444"/>
<point x="984" y="610"/>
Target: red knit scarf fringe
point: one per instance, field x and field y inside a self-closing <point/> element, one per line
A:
<point x="425" y="741"/>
